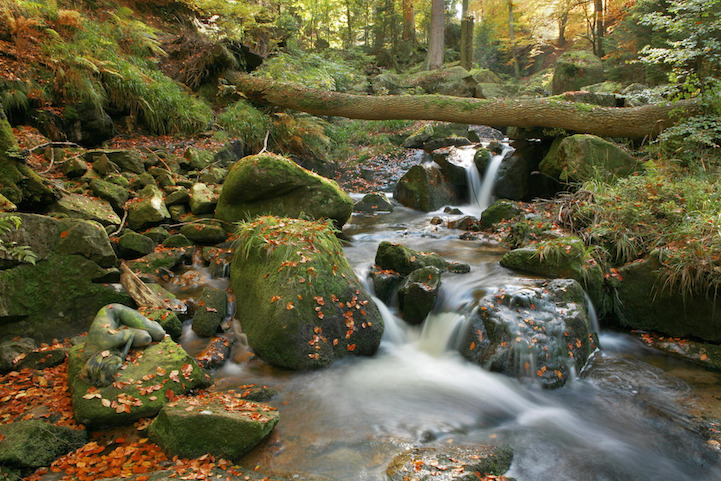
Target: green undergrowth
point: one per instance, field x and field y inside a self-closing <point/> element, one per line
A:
<point x="672" y="210"/>
<point x="101" y="60"/>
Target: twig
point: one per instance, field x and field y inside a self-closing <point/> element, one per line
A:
<point x="54" y="144"/>
<point x="122" y="223"/>
<point x="265" y="142"/>
<point x="52" y="161"/>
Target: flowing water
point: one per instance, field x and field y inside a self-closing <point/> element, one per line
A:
<point x="623" y="419"/>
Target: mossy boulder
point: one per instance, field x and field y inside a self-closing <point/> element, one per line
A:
<point x="168" y="320"/>
<point x="113" y="193"/>
<point x="583" y="157"/>
<point x="61" y="294"/>
<point x="210" y="310"/>
<point x="148" y="209"/>
<point x="133" y="245"/>
<point x="268" y="184"/>
<point x="126" y="160"/>
<point x="563" y="258"/>
<point x="12" y="349"/>
<point x="424" y="188"/>
<point x="79" y="206"/>
<point x="646" y="303"/>
<point x="372" y="203"/>
<point x="202" y="199"/>
<point x="385" y="282"/>
<point x="162" y="261"/>
<point x="574" y="70"/>
<point x="541" y="333"/>
<point x="299" y="301"/>
<point x="227" y="427"/>
<point x="405" y="260"/>
<point x="499" y="211"/>
<point x="448" y="463"/>
<point x="34" y="444"/>
<point x="418" y="293"/>
<point x="147" y="381"/>
<point x="209" y="231"/>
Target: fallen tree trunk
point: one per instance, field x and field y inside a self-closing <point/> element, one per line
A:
<point x="630" y="122"/>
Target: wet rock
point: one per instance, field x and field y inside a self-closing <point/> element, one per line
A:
<point x="218" y="259"/>
<point x="467" y="463"/>
<point x="83" y="207"/>
<point x="216" y="353"/>
<point x="565" y="258"/>
<point x="163" y="261"/>
<point x="418" y="293"/>
<point x="404" y="260"/>
<point x="273" y="185"/>
<point x="424" y="188"/>
<point x="542" y="334"/>
<point x="211" y="309"/>
<point x="467" y="222"/>
<point x="499" y="211"/>
<point x="299" y="301"/>
<point x="385" y="283"/>
<point x="148" y="209"/>
<point x="169" y="371"/>
<point x="583" y="157"/>
<point x="177" y="240"/>
<point x="113" y="193"/>
<point x="133" y="245"/>
<point x="574" y="70"/>
<point x="374" y="202"/>
<point x="226" y="428"/>
<point x="34" y="444"/>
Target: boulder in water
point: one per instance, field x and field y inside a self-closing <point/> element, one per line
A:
<point x="268" y="184"/>
<point x="448" y="463"/>
<point x="424" y="188"/>
<point x="418" y="293"/>
<point x="405" y="260"/>
<point x="299" y="301"/>
<point x="541" y="333"/>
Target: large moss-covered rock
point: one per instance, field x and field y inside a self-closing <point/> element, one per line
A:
<point x="541" y="333"/>
<point x="61" y="294"/>
<point x="299" y="301"/>
<point x="207" y="231"/>
<point x="133" y="245"/>
<point x="564" y="258"/>
<point x="268" y="184"/>
<point x="499" y="211"/>
<point x="574" y="70"/>
<point x="149" y="380"/>
<point x="126" y="160"/>
<point x="646" y="303"/>
<point x="113" y="193"/>
<point x="583" y="157"/>
<point x="224" y="426"/>
<point x="35" y="443"/>
<point x="148" y="209"/>
<point x="448" y="463"/>
<point x="424" y="188"/>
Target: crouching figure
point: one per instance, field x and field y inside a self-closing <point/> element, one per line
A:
<point x="115" y="327"/>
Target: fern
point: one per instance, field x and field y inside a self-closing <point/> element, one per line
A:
<point x="10" y="249"/>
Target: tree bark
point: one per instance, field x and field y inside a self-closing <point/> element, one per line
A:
<point x="436" y="42"/>
<point x="630" y="122"/>
<point x="409" y="22"/>
<point x="600" y="29"/>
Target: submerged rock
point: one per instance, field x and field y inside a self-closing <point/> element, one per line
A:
<point x="541" y="333"/>
<point x="405" y="260"/>
<point x="299" y="301"/>
<point x="466" y="463"/>
<point x="268" y="184"/>
<point x="418" y="293"/>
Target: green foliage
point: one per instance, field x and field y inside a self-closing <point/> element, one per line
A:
<point x="667" y="209"/>
<point x="311" y="70"/>
<point x="243" y="120"/>
<point x="11" y="249"/>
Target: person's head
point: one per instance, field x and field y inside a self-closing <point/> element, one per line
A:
<point x="101" y="368"/>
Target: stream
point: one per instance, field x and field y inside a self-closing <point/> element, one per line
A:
<point x="627" y="416"/>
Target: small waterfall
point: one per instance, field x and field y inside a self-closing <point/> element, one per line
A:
<point x="483" y="198"/>
<point x="394" y="332"/>
<point x="481" y="189"/>
<point x="440" y="332"/>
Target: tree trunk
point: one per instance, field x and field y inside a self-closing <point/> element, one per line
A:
<point x="409" y="22"/>
<point x="562" y="22"/>
<point x="600" y="28"/>
<point x="435" y="42"/>
<point x="467" y="42"/>
<point x="631" y="122"/>
<point x="511" y="34"/>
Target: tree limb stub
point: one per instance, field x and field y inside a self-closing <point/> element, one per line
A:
<point x="629" y="122"/>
